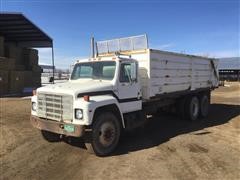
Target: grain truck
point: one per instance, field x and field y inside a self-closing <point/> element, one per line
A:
<point x="118" y="87"/>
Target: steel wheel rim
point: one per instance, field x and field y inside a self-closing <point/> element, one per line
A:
<point x="107" y="134"/>
<point x="195" y="108"/>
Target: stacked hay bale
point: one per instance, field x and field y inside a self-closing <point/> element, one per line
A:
<point x="3" y="73"/>
<point x="18" y="68"/>
<point x="30" y="57"/>
<point x="3" y="82"/>
<point x="12" y="56"/>
<point x="1" y="46"/>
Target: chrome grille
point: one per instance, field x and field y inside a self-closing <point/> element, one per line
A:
<point x="55" y="107"/>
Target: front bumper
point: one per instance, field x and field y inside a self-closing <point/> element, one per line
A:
<point x="56" y="127"/>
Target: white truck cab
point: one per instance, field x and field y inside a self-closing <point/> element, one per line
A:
<point x="110" y="93"/>
<point x="96" y="84"/>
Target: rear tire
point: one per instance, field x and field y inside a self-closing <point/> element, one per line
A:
<point x="105" y="134"/>
<point x="50" y="136"/>
<point x="204" y="105"/>
<point x="192" y="108"/>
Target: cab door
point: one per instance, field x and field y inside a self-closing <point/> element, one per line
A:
<point x="129" y="93"/>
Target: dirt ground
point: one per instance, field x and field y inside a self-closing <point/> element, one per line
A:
<point x="167" y="148"/>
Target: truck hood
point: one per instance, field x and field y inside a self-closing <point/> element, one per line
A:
<point x="77" y="86"/>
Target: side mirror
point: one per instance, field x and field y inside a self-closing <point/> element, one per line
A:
<point x="133" y="72"/>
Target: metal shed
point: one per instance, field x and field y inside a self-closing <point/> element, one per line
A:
<point x="17" y="29"/>
<point x="229" y="69"/>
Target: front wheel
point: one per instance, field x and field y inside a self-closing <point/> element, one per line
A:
<point x="105" y="134"/>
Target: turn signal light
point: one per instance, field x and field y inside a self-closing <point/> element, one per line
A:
<point x="86" y="98"/>
<point x="34" y="92"/>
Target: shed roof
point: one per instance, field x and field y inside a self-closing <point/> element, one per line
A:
<point x="18" y="29"/>
<point x="232" y="63"/>
<point x="46" y="66"/>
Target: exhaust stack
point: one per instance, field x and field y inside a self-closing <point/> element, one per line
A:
<point x="92" y="48"/>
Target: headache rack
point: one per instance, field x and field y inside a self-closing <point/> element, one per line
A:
<point x="121" y="45"/>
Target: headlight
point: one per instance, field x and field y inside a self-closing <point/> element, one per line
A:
<point x="78" y="113"/>
<point x="34" y="106"/>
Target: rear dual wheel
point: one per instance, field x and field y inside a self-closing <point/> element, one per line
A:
<point x="204" y="105"/>
<point x="193" y="107"/>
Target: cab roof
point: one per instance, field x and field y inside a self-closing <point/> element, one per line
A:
<point x="108" y="58"/>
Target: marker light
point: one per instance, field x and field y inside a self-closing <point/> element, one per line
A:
<point x="86" y="98"/>
<point x="34" y="92"/>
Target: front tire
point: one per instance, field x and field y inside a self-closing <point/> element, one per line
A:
<point x="105" y="134"/>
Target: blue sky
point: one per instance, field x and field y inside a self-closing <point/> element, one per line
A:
<point x="192" y="26"/>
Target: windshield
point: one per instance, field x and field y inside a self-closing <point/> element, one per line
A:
<point x="95" y="70"/>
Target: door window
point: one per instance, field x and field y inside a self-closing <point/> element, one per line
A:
<point x="128" y="72"/>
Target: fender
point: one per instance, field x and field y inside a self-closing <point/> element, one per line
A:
<point x="100" y="101"/>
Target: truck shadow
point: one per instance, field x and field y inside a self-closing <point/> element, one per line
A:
<point x="161" y="128"/>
